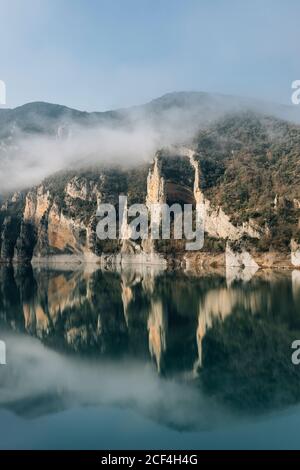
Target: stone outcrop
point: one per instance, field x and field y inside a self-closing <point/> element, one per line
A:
<point x="58" y="219"/>
<point x="239" y="259"/>
<point x="217" y="223"/>
<point x="36" y="205"/>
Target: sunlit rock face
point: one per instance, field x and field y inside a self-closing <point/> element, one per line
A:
<point x="36" y="205"/>
<point x="155" y="184"/>
<point x="58" y="217"/>
<point x="242" y="259"/>
<point x="217" y="223"/>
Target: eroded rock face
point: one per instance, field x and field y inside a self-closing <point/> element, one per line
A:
<point x="78" y="188"/>
<point x="36" y="205"/>
<point x="50" y="223"/>
<point x="217" y="223"/>
<point x="81" y="188"/>
<point x="58" y="217"/>
<point x="160" y="190"/>
<point x="155" y="185"/>
<point x="239" y="259"/>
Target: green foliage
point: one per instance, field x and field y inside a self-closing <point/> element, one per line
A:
<point x="246" y="161"/>
<point x="176" y="168"/>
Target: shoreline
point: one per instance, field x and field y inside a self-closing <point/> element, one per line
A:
<point x="192" y="262"/>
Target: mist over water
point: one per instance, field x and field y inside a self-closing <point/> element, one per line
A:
<point x="38" y="375"/>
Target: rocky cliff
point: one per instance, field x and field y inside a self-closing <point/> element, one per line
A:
<point x="243" y="171"/>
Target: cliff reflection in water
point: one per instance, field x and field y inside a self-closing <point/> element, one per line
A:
<point x="229" y="339"/>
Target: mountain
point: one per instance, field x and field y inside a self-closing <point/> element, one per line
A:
<point x="174" y="110"/>
<point x="242" y="165"/>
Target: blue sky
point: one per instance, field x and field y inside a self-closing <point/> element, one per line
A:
<point x="103" y="54"/>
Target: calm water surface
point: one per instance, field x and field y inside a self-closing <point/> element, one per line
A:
<point x="148" y="359"/>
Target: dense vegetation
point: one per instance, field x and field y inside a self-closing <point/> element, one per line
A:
<point x="251" y="167"/>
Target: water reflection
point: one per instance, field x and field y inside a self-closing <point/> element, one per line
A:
<point x="221" y="337"/>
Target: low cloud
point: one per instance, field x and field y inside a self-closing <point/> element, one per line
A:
<point x="67" y="138"/>
<point x="27" y="160"/>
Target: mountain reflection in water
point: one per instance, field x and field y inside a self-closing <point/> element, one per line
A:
<point x="177" y="347"/>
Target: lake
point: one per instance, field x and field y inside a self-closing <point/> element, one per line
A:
<point x="150" y="359"/>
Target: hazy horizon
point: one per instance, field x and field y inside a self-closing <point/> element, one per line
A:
<point x="154" y="98"/>
<point x="102" y="55"/>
